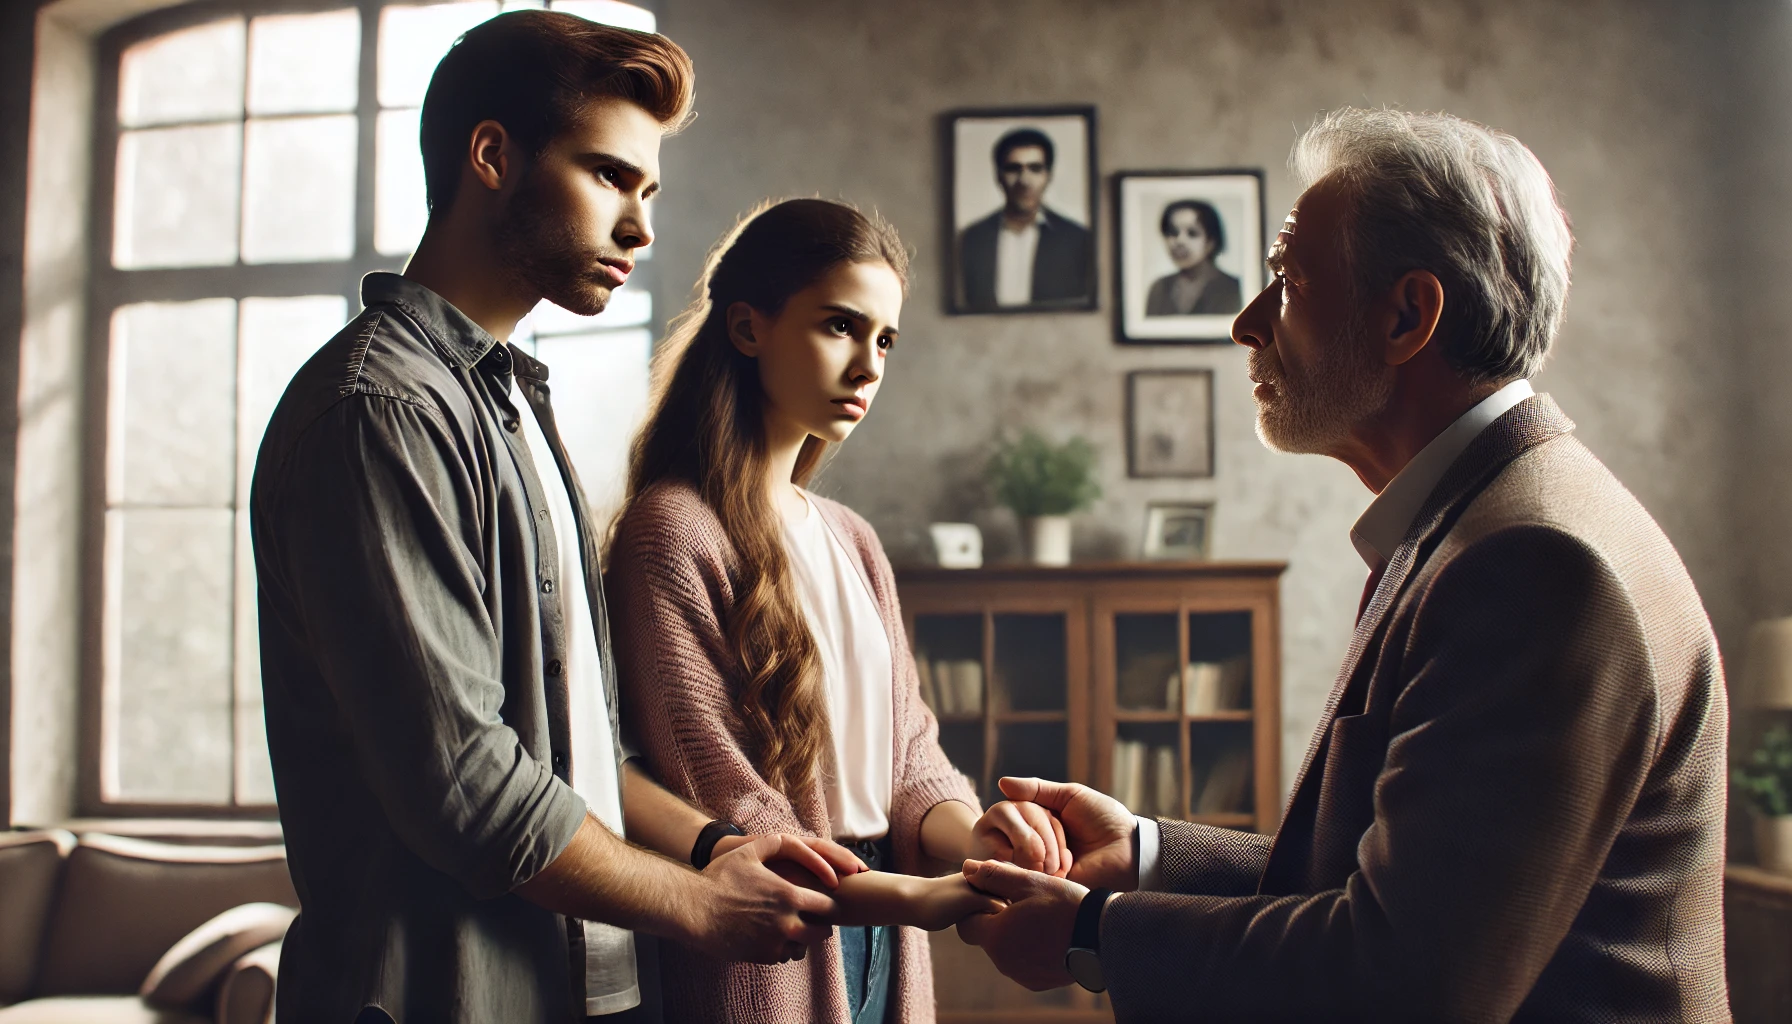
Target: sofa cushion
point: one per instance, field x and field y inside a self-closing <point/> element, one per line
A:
<point x="192" y="967"/>
<point x="125" y="901"/>
<point x="247" y="995"/>
<point x="30" y="866"/>
<point x="93" y="1010"/>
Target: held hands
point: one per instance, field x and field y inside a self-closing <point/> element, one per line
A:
<point x="1027" y="941"/>
<point x="1023" y="833"/>
<point x="1097" y="831"/>
<point x="748" y="912"/>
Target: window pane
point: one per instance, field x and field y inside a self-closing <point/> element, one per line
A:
<point x="195" y="74"/>
<point x="300" y="182"/>
<point x="277" y="336"/>
<point x="167" y="702"/>
<point x="609" y="12"/>
<point x="629" y="307"/>
<point x="412" y="41"/>
<point x="304" y="63"/>
<point x="176" y="197"/>
<point x="172" y="410"/>
<point x="600" y="398"/>
<point x="400" y="208"/>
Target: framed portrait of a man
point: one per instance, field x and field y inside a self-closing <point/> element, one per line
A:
<point x="1190" y="253"/>
<point x="1021" y="209"/>
<point x="1169" y="423"/>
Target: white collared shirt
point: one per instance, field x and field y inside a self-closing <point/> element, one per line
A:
<point x="1015" y="251"/>
<point x="610" y="980"/>
<point x="1378" y="534"/>
<point x="1383" y="525"/>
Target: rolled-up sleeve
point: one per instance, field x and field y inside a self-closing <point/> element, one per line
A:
<point x="375" y="541"/>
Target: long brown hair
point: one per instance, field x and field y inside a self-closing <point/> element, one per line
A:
<point x="707" y="429"/>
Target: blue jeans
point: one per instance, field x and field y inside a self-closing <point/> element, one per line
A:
<point x="868" y="954"/>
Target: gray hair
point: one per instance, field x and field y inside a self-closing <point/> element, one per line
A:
<point x="1469" y="203"/>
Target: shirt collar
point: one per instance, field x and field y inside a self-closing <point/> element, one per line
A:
<point x="1039" y="221"/>
<point x="462" y="341"/>
<point x="1378" y="533"/>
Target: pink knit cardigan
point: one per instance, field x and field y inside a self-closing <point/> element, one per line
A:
<point x="670" y="589"/>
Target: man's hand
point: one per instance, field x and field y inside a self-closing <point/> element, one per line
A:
<point x="1025" y="834"/>
<point x="836" y="860"/>
<point x="1027" y="942"/>
<point x="1098" y="829"/>
<point x="744" y="911"/>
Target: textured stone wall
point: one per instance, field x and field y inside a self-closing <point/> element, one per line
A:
<point x="1618" y="98"/>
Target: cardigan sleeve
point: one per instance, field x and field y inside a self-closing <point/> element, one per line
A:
<point x="669" y="588"/>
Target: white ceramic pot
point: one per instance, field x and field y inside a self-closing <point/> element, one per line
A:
<point x="1048" y="539"/>
<point x="1773" y="842"/>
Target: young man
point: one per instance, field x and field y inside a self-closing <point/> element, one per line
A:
<point x="1026" y="253"/>
<point x="440" y="696"/>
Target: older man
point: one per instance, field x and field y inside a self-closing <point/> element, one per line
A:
<point x="1512" y="808"/>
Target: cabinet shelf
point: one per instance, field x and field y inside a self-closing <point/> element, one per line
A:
<point x="1153" y="715"/>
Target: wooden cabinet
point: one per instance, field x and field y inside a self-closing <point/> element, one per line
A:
<point x="1156" y="682"/>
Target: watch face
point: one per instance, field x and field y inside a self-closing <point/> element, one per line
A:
<point x="1085" y="968"/>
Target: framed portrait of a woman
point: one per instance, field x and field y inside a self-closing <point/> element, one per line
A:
<point x="1190" y="253"/>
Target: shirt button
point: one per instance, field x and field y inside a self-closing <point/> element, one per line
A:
<point x="511" y="425"/>
<point x="547" y="586"/>
<point x="541" y="514"/>
<point x="554" y="667"/>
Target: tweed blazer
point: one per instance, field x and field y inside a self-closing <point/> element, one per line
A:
<point x="1513" y="805"/>
<point x="671" y="590"/>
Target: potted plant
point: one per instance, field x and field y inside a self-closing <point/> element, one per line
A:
<point x="1043" y="483"/>
<point x="1766" y="778"/>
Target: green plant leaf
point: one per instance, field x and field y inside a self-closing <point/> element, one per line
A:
<point x="1034" y="477"/>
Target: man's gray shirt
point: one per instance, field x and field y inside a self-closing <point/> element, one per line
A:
<point x="412" y="641"/>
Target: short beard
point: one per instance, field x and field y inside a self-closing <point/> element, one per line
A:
<point x="1315" y="413"/>
<point x="539" y="248"/>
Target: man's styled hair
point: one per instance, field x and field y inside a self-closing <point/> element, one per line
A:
<point x="531" y="71"/>
<point x="1020" y="137"/>
<point x="1205" y="215"/>
<point x="1469" y="203"/>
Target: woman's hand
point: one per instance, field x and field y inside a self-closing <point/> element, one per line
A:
<point x="1024" y="834"/>
<point x="939" y="903"/>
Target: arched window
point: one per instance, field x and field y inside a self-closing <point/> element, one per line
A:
<point x="262" y="160"/>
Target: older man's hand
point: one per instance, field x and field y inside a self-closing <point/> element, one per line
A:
<point x="1028" y="940"/>
<point x="1097" y="829"/>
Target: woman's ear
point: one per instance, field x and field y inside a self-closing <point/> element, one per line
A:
<point x="740" y="317"/>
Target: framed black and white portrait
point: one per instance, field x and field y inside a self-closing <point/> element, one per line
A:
<point x="1021" y="209"/>
<point x="1178" y="531"/>
<point x="1190" y="253"/>
<point x="1169" y="423"/>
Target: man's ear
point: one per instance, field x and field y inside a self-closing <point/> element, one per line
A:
<point x="741" y="328"/>
<point x="489" y="154"/>
<point x="1416" y="302"/>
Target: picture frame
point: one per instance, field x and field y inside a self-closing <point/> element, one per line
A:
<point x="1178" y="531"/>
<point x="994" y="163"/>
<point x="1166" y="289"/>
<point x="1169" y="424"/>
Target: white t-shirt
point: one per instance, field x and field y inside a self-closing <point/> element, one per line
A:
<point x="856" y="667"/>
<point x="610" y="985"/>
<point x="1015" y="252"/>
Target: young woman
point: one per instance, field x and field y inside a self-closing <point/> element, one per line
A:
<point x="764" y="670"/>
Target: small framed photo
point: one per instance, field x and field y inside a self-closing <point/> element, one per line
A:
<point x="1189" y="253"/>
<point x="1169" y="423"/>
<point x="1178" y="531"/>
<point x="1020" y="207"/>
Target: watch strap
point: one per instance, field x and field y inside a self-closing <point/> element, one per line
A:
<point x="1086" y="932"/>
<point x="707" y="839"/>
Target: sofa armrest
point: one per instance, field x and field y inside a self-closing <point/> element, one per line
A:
<point x="247" y="994"/>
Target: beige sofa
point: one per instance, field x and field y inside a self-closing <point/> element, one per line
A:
<point x="83" y="920"/>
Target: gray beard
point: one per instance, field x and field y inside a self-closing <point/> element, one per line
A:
<point x="1314" y="414"/>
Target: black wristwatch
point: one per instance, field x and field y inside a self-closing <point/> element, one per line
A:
<point x="1083" y="959"/>
<point x="708" y="838"/>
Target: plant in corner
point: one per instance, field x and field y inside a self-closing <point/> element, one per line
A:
<point x="1044" y="483"/>
<point x="1765" y="777"/>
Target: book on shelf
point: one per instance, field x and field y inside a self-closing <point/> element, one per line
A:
<point x="1146" y="778"/>
<point x="956" y="685"/>
<point x="1212" y="686"/>
<point x="1226" y="785"/>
